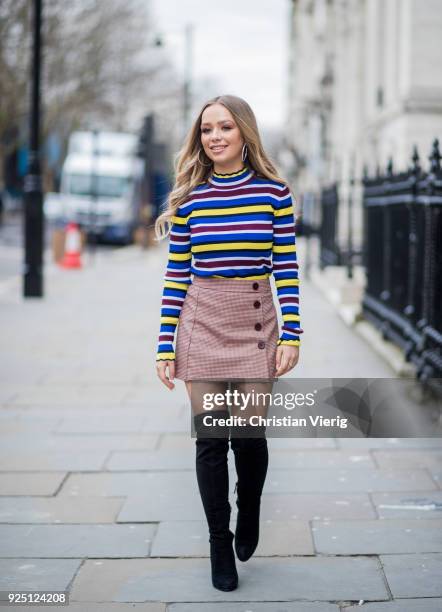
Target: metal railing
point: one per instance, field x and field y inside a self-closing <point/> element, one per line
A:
<point x="339" y="248"/>
<point x="402" y="254"/>
<point x="330" y="253"/>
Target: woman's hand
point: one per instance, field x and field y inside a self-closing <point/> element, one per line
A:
<point x="286" y="358"/>
<point x="161" y="371"/>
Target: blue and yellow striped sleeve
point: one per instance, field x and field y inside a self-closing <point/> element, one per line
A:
<point x="285" y="267"/>
<point x="176" y="283"/>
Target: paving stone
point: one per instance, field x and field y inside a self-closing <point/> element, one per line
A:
<point x="184" y="440"/>
<point x="191" y="539"/>
<point x="76" y="540"/>
<point x="59" y="509"/>
<point x="181" y="539"/>
<point x="92" y="424"/>
<point x="37" y="574"/>
<point x="19" y="372"/>
<point x="377" y="537"/>
<point x="158" y="397"/>
<point x="27" y="414"/>
<point x="301" y="443"/>
<point x="400" y="605"/>
<point x="7" y="390"/>
<point x="38" y="412"/>
<point x="140" y="419"/>
<point x="7" y="414"/>
<point x="17" y="427"/>
<point x="104" y="607"/>
<point x="389" y="443"/>
<point x="70" y="407"/>
<point x="403" y="459"/>
<point x="180" y="483"/>
<point x="151" y="460"/>
<point x="165" y="507"/>
<point x="23" y="461"/>
<point x="153" y="496"/>
<point x="301" y="506"/>
<point x="159" y="425"/>
<point x="274" y="606"/>
<point x="413" y="575"/>
<point x="350" y="481"/>
<point x="38" y="483"/>
<point x="436" y="475"/>
<point x="173" y="420"/>
<point x="177" y="441"/>
<point x="319" y="459"/>
<point x="84" y="375"/>
<point x="187" y="580"/>
<point x="413" y="504"/>
<point x="278" y="481"/>
<point x="149" y="508"/>
<point x="41" y="413"/>
<point x="74" y="442"/>
<point x="73" y="394"/>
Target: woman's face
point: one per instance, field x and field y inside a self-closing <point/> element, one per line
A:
<point x="221" y="138"/>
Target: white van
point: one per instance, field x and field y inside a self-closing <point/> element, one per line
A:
<point x="99" y="185"/>
<point x="109" y="144"/>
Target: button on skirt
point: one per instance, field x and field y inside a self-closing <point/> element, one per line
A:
<point x="227" y="330"/>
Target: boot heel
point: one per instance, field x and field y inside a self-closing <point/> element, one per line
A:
<point x="222" y="558"/>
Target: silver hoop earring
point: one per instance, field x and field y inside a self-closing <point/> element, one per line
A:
<point x="244" y="152"/>
<point x="200" y="159"/>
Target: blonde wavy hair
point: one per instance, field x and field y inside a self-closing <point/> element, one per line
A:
<point x="190" y="171"/>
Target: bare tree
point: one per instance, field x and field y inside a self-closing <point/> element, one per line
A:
<point x="14" y="58"/>
<point x="100" y="64"/>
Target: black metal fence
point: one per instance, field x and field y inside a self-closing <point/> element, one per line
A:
<point x="402" y="254"/>
<point x="330" y="253"/>
<point x="337" y="249"/>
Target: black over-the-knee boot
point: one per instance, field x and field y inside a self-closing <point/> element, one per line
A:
<point x="251" y="460"/>
<point x="213" y="482"/>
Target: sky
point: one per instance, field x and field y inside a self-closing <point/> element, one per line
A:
<point x="240" y="46"/>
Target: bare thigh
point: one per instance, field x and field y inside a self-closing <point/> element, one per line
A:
<point x="201" y="393"/>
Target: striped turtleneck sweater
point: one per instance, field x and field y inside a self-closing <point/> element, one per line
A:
<point x="237" y="226"/>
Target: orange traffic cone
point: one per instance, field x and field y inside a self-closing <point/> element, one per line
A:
<point x="72" y="251"/>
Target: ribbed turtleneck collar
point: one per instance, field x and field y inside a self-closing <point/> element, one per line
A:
<point x="234" y="179"/>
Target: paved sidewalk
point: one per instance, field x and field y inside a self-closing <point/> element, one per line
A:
<point x="98" y="492"/>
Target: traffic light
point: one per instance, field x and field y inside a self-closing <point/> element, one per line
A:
<point x="145" y="140"/>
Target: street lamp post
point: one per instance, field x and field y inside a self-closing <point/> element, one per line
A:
<point x="187" y="73"/>
<point x="187" y="93"/>
<point x="33" y="196"/>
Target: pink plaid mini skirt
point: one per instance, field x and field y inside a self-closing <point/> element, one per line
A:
<point x="227" y="330"/>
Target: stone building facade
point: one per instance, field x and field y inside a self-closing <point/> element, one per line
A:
<point x="365" y="84"/>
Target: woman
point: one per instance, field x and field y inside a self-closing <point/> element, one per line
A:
<point x="233" y="214"/>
